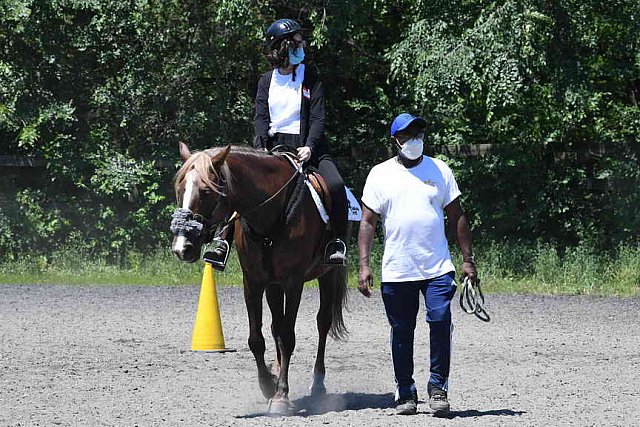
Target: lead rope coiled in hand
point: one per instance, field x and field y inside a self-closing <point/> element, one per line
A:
<point x="472" y="299"/>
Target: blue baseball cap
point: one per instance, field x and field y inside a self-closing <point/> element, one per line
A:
<point x="403" y="121"/>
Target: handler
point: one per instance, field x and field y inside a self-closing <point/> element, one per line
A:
<point x="290" y="111"/>
<point x="412" y="193"/>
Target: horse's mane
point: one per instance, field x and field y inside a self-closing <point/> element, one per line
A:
<point x="244" y="150"/>
<point x="200" y="161"/>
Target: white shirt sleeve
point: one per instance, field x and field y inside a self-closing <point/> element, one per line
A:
<point x="369" y="195"/>
<point x="452" y="192"/>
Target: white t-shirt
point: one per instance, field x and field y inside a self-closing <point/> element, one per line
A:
<point x="411" y="205"/>
<point x="285" y="100"/>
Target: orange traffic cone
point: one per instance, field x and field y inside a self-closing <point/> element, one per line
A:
<point x="207" y="330"/>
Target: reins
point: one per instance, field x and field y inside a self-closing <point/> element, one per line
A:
<point x="472" y="299"/>
<point x="262" y="204"/>
<point x="267" y="239"/>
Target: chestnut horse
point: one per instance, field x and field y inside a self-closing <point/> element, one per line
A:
<point x="277" y="255"/>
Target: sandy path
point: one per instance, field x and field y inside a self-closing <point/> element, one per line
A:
<point x="120" y="356"/>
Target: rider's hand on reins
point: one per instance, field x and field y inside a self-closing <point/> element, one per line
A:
<point x="365" y="281"/>
<point x="304" y="153"/>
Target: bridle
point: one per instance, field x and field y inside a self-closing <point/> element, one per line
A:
<point x="190" y="225"/>
<point x="198" y="228"/>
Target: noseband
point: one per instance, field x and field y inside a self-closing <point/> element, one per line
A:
<point x="195" y="227"/>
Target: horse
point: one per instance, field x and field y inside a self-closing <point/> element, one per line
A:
<point x="277" y="254"/>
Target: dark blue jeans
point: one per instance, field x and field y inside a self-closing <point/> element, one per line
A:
<point x="401" y="302"/>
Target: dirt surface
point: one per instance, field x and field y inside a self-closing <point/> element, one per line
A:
<point x="120" y="356"/>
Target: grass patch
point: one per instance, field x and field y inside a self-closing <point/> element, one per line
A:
<point x="503" y="267"/>
<point x="159" y="267"/>
<point x="543" y="269"/>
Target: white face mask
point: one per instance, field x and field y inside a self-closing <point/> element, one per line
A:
<point x="412" y="149"/>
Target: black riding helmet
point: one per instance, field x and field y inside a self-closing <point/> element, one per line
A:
<point x="280" y="30"/>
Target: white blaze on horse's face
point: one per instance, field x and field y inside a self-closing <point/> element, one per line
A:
<point x="189" y="189"/>
<point x="189" y="192"/>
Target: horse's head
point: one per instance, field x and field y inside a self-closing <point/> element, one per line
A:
<point x="201" y="195"/>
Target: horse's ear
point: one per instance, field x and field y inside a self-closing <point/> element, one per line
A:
<point x="184" y="151"/>
<point x="219" y="158"/>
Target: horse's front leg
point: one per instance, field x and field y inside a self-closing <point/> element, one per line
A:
<point x="275" y="299"/>
<point x="253" y="301"/>
<point x="286" y="341"/>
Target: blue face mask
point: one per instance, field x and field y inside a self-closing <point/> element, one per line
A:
<point x="296" y="56"/>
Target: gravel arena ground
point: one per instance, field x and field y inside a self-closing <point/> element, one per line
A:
<point x="120" y="355"/>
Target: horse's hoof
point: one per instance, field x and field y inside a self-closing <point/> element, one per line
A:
<point x="268" y="391"/>
<point x="318" y="390"/>
<point x="317" y="387"/>
<point x="279" y="407"/>
<point x="268" y="387"/>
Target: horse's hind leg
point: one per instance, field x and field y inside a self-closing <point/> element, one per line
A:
<point x="253" y="301"/>
<point x="323" y="321"/>
<point x="333" y="294"/>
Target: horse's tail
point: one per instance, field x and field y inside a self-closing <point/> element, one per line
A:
<point x="338" y="329"/>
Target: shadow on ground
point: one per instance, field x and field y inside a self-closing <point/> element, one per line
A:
<point x="494" y="412"/>
<point x="318" y="405"/>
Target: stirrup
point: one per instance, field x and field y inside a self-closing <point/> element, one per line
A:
<point x="217" y="254"/>
<point x="338" y="257"/>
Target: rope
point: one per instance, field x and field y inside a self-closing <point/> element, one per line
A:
<point x="472" y="299"/>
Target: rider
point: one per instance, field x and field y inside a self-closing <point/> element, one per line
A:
<point x="290" y="111"/>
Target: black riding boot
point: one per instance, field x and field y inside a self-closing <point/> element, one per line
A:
<point x="217" y="253"/>
<point x="335" y="252"/>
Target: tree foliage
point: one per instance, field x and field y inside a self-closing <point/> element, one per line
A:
<point x="553" y="86"/>
<point x="101" y="90"/>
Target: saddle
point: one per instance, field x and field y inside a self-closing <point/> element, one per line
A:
<point x="316" y="183"/>
<point x="322" y="189"/>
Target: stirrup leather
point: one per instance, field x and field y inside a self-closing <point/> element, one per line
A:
<point x="212" y="256"/>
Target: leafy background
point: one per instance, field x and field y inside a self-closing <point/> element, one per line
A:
<point x="101" y="91"/>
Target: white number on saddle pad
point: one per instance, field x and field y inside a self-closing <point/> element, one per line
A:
<point x="354" y="211"/>
<point x="353" y="207"/>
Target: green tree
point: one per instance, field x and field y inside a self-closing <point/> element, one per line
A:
<point x="552" y="86"/>
<point x="101" y="90"/>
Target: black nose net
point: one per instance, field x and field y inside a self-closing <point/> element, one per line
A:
<point x="183" y="223"/>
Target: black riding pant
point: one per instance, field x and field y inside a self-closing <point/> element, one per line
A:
<point x="329" y="171"/>
<point x="338" y="214"/>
